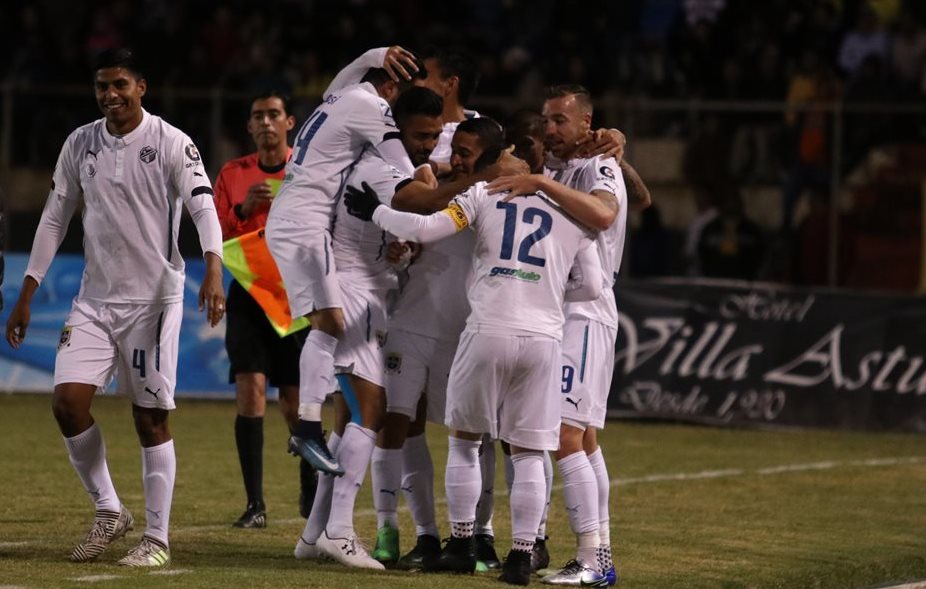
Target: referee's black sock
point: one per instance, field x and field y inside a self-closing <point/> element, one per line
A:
<point x="249" y="437"/>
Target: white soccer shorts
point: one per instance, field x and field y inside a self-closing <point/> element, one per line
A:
<point x="360" y="349"/>
<point x="587" y="369"/>
<point x="305" y="260"/>
<point x="415" y="365"/>
<point x="138" y="343"/>
<point x="506" y="386"/>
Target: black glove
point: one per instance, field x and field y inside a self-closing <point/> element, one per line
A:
<point x="361" y="203"/>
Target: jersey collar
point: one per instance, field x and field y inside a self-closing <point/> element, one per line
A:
<point x="109" y="139"/>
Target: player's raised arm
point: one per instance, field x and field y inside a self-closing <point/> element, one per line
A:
<point x="397" y="61"/>
<point x="365" y="204"/>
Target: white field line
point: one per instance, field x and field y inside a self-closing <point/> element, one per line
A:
<point x="12" y="545"/>
<point x="95" y="578"/>
<point x="170" y="572"/>
<point x="665" y="477"/>
<point x="915" y="585"/>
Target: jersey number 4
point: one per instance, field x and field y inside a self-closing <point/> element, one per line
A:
<point x="529" y="216"/>
<point x="306" y="133"/>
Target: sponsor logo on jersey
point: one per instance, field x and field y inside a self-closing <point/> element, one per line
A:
<point x="514" y="273"/>
<point x="459" y="217"/>
<point x="147" y="154"/>
<point x="607" y="171"/>
<point x="65" y="339"/>
<point x="193" y="153"/>
<point x="393" y="363"/>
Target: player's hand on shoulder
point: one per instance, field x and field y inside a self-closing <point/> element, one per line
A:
<point x="514" y="186"/>
<point x="17" y="323"/>
<point x="603" y="142"/>
<point x="425" y="174"/>
<point x="399" y="63"/>
<point x="361" y="202"/>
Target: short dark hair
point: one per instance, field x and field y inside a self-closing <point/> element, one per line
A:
<point x="121" y="57"/>
<point x="583" y="96"/>
<point x="417" y="101"/>
<point x="379" y="76"/>
<point x="524" y="123"/>
<point x="456" y="62"/>
<point x="266" y="93"/>
<point x="491" y="138"/>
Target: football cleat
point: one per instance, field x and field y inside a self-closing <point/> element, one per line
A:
<point x="348" y="551"/>
<point x="306" y="551"/>
<point x="425" y="553"/>
<point x="517" y="568"/>
<point x="107" y="527"/>
<point x="387" y="545"/>
<point x="611" y="575"/>
<point x="254" y="516"/>
<point x="540" y="556"/>
<point x="316" y="453"/>
<point x="148" y="553"/>
<point x="485" y="552"/>
<point x="576" y="574"/>
<point x="458" y="556"/>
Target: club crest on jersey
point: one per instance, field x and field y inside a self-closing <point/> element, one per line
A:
<point x="394" y="363"/>
<point x="90" y="169"/>
<point x="193" y="153"/>
<point x="65" y="339"/>
<point x="381" y="338"/>
<point x="147" y="154"/>
<point x="606" y="171"/>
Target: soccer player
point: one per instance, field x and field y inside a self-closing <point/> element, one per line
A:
<point x="506" y="366"/>
<point x="349" y="121"/>
<point x="593" y="191"/>
<point x="131" y="170"/>
<point x="424" y="331"/>
<point x="244" y="190"/>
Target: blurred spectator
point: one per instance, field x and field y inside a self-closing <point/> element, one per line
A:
<point x="650" y="253"/>
<point x="705" y="212"/>
<point x="909" y="56"/>
<point x="868" y="38"/>
<point x="808" y="131"/>
<point x="731" y="246"/>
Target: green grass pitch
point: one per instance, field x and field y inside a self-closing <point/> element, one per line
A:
<point x="691" y="507"/>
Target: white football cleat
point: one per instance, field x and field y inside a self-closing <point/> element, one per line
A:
<point x="348" y="551"/>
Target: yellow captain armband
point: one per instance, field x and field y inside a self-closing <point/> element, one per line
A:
<point x="455" y="212"/>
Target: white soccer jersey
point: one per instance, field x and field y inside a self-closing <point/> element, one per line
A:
<point x="346" y="124"/>
<point x="586" y="175"/>
<point x="441" y="153"/>
<point x="524" y="252"/>
<point x="132" y="188"/>
<point x="360" y="246"/>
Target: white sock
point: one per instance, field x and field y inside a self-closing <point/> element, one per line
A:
<point x="386" y="477"/>
<point x="580" y="493"/>
<point x="87" y="453"/>
<point x="596" y="459"/>
<point x="418" y="485"/>
<point x="463" y="480"/>
<point x="509" y="472"/>
<point x="548" y="479"/>
<point x="354" y="453"/>
<point x="528" y="493"/>
<point x="485" y="508"/>
<point x="159" y="469"/>
<point x="321" y="507"/>
<point x="316" y="372"/>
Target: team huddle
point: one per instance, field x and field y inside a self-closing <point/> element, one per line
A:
<point x="452" y="270"/>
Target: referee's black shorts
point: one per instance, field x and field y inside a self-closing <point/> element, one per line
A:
<point x="254" y="346"/>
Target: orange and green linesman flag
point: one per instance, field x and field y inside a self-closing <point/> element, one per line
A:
<point x="249" y="261"/>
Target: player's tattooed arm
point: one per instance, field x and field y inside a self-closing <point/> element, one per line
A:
<point x="638" y="194"/>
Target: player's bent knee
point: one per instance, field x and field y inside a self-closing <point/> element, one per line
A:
<point x="330" y="321"/>
<point x="151" y="426"/>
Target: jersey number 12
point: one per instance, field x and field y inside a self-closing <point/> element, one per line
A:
<point x="524" y="250"/>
